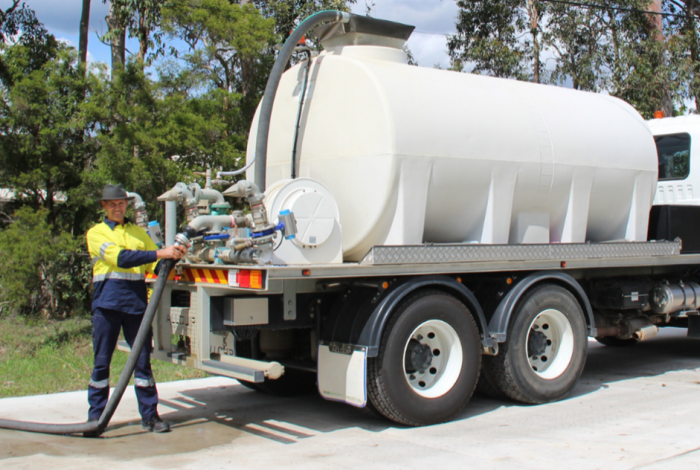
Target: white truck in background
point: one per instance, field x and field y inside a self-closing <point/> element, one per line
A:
<point x="422" y="231"/>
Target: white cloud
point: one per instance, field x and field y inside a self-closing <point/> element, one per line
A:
<point x="429" y="50"/>
<point x="428" y="16"/>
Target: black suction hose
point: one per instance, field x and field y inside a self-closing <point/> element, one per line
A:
<point x="99" y="426"/>
<point x="299" y="114"/>
<point x="274" y="81"/>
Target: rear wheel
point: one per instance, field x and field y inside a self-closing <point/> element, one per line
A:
<point x="546" y="348"/>
<point x="428" y="362"/>
<point x="486" y="389"/>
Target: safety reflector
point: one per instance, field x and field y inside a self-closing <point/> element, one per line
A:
<point x="209" y="276"/>
<point x="153" y="277"/>
<point x="246" y="278"/>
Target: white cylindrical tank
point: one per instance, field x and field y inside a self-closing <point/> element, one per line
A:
<point x="415" y="155"/>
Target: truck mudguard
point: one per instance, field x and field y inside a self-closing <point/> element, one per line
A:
<point x="498" y="326"/>
<point x="373" y="328"/>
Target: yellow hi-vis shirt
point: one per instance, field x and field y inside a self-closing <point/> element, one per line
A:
<point x="121" y="255"/>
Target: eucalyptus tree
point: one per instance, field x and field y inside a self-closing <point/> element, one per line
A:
<point x="84" y="31"/>
<point x="139" y="19"/>
<point x="681" y="26"/>
<point x="502" y="38"/>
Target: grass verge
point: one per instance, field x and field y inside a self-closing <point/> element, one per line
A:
<point x="39" y="356"/>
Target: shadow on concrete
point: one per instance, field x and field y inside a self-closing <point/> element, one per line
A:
<point x="670" y="351"/>
<point x="209" y="417"/>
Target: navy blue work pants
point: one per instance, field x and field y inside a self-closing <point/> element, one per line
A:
<point x="106" y="325"/>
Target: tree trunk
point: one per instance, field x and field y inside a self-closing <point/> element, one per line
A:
<point x="691" y="8"/>
<point x="534" y="23"/>
<point x="143" y="38"/>
<point x="84" y="32"/>
<point x="116" y="23"/>
<point x="658" y="35"/>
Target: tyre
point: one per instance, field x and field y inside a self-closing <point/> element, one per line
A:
<point x="428" y="363"/>
<point x="293" y="383"/>
<point x="486" y="389"/>
<point x="545" y="352"/>
<point x="614" y="342"/>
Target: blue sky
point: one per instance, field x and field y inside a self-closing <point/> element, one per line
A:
<point x="62" y="18"/>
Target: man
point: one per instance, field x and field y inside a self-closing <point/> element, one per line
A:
<point x="121" y="254"/>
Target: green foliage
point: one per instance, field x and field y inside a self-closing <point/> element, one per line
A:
<point x="42" y="272"/>
<point x="43" y="127"/>
<point x="39" y="44"/>
<point x="145" y="123"/>
<point x="141" y="19"/>
<point x="615" y="49"/>
<point x="611" y="46"/>
<point x="683" y="31"/>
<point x="490" y="35"/>
<point x="229" y="53"/>
<point x="39" y="356"/>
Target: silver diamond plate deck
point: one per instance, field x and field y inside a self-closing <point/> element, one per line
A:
<point x="431" y="254"/>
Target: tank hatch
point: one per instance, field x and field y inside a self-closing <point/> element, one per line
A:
<point x="364" y="31"/>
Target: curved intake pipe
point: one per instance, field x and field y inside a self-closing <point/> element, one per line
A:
<point x="254" y="197"/>
<point x="213" y="196"/>
<point x="181" y="194"/>
<point x="213" y="223"/>
<point x="208" y="194"/>
<point x="139" y="210"/>
<point x="100" y="425"/>
<point x="273" y="82"/>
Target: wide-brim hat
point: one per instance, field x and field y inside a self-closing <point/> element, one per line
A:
<point x="113" y="192"/>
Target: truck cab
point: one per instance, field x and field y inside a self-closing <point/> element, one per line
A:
<point x="677" y="139"/>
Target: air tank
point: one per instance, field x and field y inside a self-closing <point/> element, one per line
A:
<point x="418" y="155"/>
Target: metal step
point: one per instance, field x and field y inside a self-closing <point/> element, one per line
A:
<point x="234" y="371"/>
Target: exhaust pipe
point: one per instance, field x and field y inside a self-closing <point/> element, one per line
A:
<point x="640" y="328"/>
<point x="646" y="332"/>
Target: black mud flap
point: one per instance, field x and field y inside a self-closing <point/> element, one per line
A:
<point x="669" y="222"/>
<point x="694" y="326"/>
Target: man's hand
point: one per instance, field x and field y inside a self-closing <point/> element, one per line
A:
<point x="172" y="252"/>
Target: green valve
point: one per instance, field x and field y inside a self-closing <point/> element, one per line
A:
<point x="220" y="209"/>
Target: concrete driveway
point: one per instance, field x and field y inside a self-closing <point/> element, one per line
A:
<point x="637" y="407"/>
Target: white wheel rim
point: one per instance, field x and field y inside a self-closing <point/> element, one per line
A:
<point x="446" y="364"/>
<point x="559" y="336"/>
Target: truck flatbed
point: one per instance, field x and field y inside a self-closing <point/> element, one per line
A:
<point x="470" y="258"/>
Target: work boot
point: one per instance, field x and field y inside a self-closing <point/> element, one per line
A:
<point x="155" y="424"/>
<point x="92" y="433"/>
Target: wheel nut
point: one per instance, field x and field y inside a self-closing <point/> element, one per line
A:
<point x="412" y="377"/>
